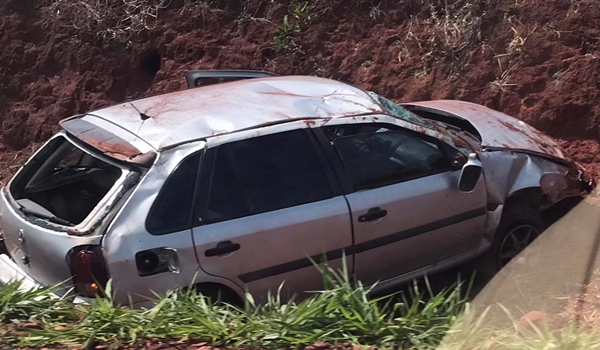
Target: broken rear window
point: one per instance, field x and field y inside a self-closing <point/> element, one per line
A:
<point x="63" y="183"/>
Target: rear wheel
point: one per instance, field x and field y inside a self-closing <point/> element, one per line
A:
<point x="219" y="294"/>
<point x="519" y="226"/>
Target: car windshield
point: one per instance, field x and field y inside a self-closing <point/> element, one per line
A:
<point x="398" y="111"/>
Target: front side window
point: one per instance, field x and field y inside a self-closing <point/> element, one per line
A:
<point x="375" y="156"/>
<point x="262" y="174"/>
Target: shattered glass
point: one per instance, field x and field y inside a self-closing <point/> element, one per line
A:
<point x="399" y="111"/>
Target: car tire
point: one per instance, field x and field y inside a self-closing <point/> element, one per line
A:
<point x="218" y="294"/>
<point x="519" y="226"/>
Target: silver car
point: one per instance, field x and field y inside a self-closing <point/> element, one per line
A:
<point x="240" y="186"/>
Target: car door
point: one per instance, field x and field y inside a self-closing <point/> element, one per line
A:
<point x="267" y="206"/>
<point x="407" y="211"/>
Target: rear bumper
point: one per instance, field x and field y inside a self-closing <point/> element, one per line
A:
<point x="10" y="272"/>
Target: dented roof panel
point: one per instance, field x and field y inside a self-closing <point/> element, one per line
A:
<point x="216" y="109"/>
<point x="498" y="130"/>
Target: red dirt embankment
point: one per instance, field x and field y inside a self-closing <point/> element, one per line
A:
<point x="538" y="61"/>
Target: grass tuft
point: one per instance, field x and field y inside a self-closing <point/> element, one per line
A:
<point x="17" y="304"/>
<point x="288" y="32"/>
<point x="343" y="312"/>
<point x="449" y="31"/>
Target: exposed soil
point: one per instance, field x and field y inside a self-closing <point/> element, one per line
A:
<point x="537" y="61"/>
<point x="583" y="307"/>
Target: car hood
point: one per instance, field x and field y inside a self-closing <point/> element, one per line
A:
<point x="497" y="130"/>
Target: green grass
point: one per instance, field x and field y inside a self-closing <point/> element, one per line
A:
<point x="288" y="32"/>
<point x="286" y="35"/>
<point x="341" y="313"/>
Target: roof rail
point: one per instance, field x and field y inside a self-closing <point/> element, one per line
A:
<point x="193" y="77"/>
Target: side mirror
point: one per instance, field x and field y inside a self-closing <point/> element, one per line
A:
<point x="469" y="175"/>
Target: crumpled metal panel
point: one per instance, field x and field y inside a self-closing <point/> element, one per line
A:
<point x="192" y="114"/>
<point x="508" y="172"/>
<point x="499" y="130"/>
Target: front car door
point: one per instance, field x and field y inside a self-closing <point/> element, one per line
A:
<point x="267" y="205"/>
<point x="407" y="211"/>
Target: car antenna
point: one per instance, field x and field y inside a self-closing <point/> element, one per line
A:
<point x="143" y="116"/>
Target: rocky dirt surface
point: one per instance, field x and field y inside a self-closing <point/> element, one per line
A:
<point x="537" y="61"/>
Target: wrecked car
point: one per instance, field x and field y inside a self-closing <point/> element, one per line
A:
<point x="241" y="186"/>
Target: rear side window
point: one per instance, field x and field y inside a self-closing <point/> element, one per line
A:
<point x="172" y="209"/>
<point x="262" y="174"/>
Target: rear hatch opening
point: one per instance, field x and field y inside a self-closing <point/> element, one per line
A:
<point x="67" y="189"/>
<point x="62" y="183"/>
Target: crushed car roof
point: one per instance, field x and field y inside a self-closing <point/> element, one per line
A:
<point x="183" y="116"/>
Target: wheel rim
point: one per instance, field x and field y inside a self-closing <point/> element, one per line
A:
<point x="515" y="242"/>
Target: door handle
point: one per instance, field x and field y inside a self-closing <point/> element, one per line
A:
<point x="222" y="248"/>
<point x="372" y="215"/>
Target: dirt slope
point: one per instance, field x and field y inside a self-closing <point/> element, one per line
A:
<point x="538" y="61"/>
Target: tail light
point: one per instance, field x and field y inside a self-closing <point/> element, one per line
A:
<point x="88" y="270"/>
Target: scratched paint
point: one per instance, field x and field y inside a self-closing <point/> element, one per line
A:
<point x="255" y="104"/>
<point x="498" y="130"/>
<point x="105" y="141"/>
<point x="229" y="107"/>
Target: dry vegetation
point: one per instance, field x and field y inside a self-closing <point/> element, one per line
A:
<point x="110" y="20"/>
<point x="584" y="309"/>
<point x="452" y="30"/>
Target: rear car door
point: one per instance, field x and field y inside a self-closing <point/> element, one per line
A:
<point x="407" y="211"/>
<point x="266" y="206"/>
